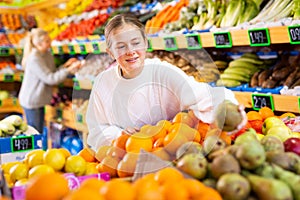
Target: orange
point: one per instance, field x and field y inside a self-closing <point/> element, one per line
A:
<point x="139" y="141"/>
<point x="257" y="125"/>
<point x="161" y="153"/>
<point x="155" y="132"/>
<point x="164" y="123"/>
<point x="158" y="143"/>
<point x="92" y="183"/>
<point x="185" y="118"/>
<point x="147" y="182"/>
<point x="209" y="194"/>
<point x="227" y="138"/>
<point x="87" y="154"/>
<point x="126" y="167"/>
<point x="101" y="152"/>
<point x="117" y="189"/>
<point x="47" y="187"/>
<point x="66" y="152"/>
<point x="120" y="142"/>
<point x="84" y="193"/>
<point x="115" y="151"/>
<point x="109" y="164"/>
<point x="91" y="168"/>
<point x="194" y="187"/>
<point x="266" y="112"/>
<point x="172" y="191"/>
<point x="202" y="129"/>
<point x="253" y="115"/>
<point x="168" y="174"/>
<point x="190" y="133"/>
<point x="173" y="141"/>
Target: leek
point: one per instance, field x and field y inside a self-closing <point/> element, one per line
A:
<point x="233" y="11"/>
<point x="251" y="10"/>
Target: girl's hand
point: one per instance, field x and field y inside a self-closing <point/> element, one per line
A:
<point x="131" y="130"/>
<point x="75" y="66"/>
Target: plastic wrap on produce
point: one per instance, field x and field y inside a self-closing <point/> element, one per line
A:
<point x="292" y="123"/>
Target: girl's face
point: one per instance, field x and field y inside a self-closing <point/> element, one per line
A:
<point x="128" y="47"/>
<point x="45" y="44"/>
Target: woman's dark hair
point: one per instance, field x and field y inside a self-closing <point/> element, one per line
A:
<point x="120" y="20"/>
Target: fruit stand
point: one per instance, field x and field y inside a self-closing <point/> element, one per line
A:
<point x="255" y="55"/>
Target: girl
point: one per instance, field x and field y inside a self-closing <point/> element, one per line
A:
<point x="39" y="76"/>
<point x="138" y="91"/>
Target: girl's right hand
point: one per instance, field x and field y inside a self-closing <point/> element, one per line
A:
<point x="131" y="130"/>
<point x="75" y="66"/>
<point x="70" y="62"/>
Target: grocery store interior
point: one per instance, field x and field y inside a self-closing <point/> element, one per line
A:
<point x="250" y="47"/>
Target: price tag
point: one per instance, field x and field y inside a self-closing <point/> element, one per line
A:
<point x="262" y="100"/>
<point x="193" y="41"/>
<point x="60" y="50"/>
<point x="4" y="51"/>
<point x="294" y="34"/>
<point x="150" y="48"/>
<point x="79" y="118"/>
<point x="82" y="49"/>
<point x="8" y="77"/>
<point x="21" y="77"/>
<point x="22" y="143"/>
<point x="223" y="40"/>
<point x="0" y="103"/>
<point x="71" y="49"/>
<point x="170" y="43"/>
<point x="76" y="84"/>
<point x="96" y="47"/>
<point x="259" y="37"/>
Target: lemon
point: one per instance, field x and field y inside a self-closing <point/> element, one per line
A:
<point x="36" y="158"/>
<point x="39" y="170"/>
<point x="18" y="172"/>
<point x="8" y="180"/>
<point x="54" y="158"/>
<point x="66" y="152"/>
<point x="91" y="168"/>
<point x="6" y="166"/>
<point x="75" y="164"/>
<point x="20" y="182"/>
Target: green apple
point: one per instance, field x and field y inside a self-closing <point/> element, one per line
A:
<point x="282" y="132"/>
<point x="270" y="122"/>
<point x="260" y="136"/>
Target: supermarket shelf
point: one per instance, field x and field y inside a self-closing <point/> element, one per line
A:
<point x="281" y="102"/>
<point x="11" y="77"/>
<point x="10" y="105"/>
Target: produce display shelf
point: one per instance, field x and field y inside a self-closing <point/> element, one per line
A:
<point x="10" y="105"/>
<point x="11" y="77"/>
<point x="281" y="102"/>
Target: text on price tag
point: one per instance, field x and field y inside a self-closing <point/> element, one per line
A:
<point x="223" y="40"/>
<point x="96" y="48"/>
<point x="262" y="100"/>
<point x="170" y="43"/>
<point x="4" y="51"/>
<point x="76" y="84"/>
<point x="259" y="37"/>
<point x="8" y="77"/>
<point x="71" y="49"/>
<point x="82" y="49"/>
<point x="149" y="49"/>
<point x="22" y="143"/>
<point x="193" y="41"/>
<point x="294" y="34"/>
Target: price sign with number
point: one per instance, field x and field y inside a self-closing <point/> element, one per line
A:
<point x="150" y="48"/>
<point x="8" y="77"/>
<point x="96" y="48"/>
<point x="193" y="41"/>
<point x="294" y="34"/>
<point x="76" y="84"/>
<point x="23" y="143"/>
<point x="79" y="118"/>
<point x="223" y="40"/>
<point x="259" y="37"/>
<point x="71" y="49"/>
<point x="262" y="100"/>
<point x="82" y="49"/>
<point x="60" y="50"/>
<point x="4" y="51"/>
<point x="170" y="43"/>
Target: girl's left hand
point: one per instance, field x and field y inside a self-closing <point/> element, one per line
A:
<point x="132" y="130"/>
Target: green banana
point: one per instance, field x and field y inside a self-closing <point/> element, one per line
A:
<point x="15" y="120"/>
<point x="234" y="77"/>
<point x="7" y="127"/>
<point x="228" y="83"/>
<point x="23" y="127"/>
<point x="245" y="73"/>
<point x="251" y="60"/>
<point x="250" y="55"/>
<point x="242" y="63"/>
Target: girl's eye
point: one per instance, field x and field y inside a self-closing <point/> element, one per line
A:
<point x="136" y="43"/>
<point x="121" y="47"/>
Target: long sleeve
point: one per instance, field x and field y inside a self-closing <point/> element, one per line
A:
<point x="100" y="131"/>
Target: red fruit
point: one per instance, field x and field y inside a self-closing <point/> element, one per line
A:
<point x="292" y="145"/>
<point x="257" y="125"/>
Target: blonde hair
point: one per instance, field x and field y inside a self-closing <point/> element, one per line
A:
<point x="119" y="21"/>
<point x="33" y="38"/>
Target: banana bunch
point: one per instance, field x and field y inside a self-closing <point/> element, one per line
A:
<point x="12" y="125"/>
<point x="241" y="70"/>
<point x="209" y="72"/>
